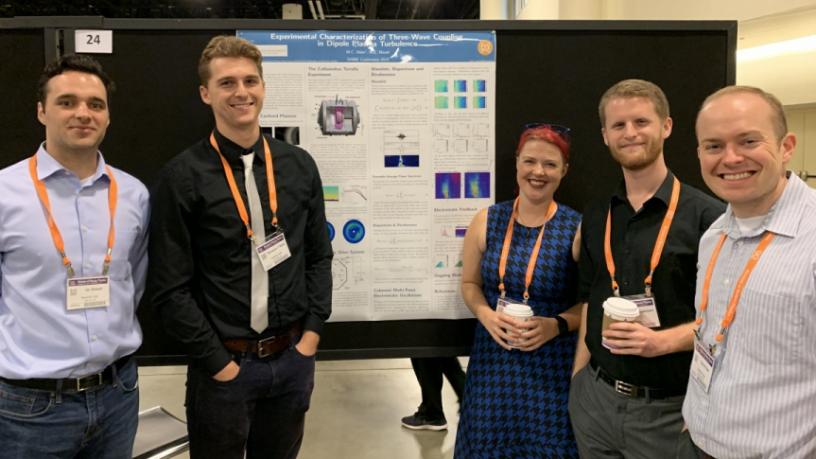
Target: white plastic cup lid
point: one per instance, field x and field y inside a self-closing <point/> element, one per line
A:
<point x="518" y="310"/>
<point x="621" y="309"/>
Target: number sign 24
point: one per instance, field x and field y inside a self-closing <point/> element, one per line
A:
<point x="93" y="41"/>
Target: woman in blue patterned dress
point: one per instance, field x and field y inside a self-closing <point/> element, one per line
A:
<point x="515" y="401"/>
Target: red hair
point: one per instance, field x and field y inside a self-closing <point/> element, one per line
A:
<point x="547" y="134"/>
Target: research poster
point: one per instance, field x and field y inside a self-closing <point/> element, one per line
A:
<point x="401" y="125"/>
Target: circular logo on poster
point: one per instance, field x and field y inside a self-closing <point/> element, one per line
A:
<point x="485" y="47"/>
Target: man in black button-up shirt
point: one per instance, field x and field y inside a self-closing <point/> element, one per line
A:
<point x="200" y="273"/>
<point x="627" y="402"/>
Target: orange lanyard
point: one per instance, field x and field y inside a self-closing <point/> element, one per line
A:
<point x="56" y="236"/>
<point x="508" y="237"/>
<point x="731" y="312"/>
<point x="659" y="243"/>
<point x="236" y="196"/>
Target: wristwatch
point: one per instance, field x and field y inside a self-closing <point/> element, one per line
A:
<point x="563" y="326"/>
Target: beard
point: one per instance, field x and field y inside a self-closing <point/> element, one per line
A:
<point x="640" y="160"/>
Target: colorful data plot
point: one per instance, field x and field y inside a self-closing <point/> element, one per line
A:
<point x="440" y="85"/>
<point x="460" y="102"/>
<point x="479" y="102"/>
<point x="353" y="231"/>
<point x="401" y="160"/>
<point x="448" y="185"/>
<point x="460" y="85"/>
<point x="441" y="102"/>
<point x="331" y="193"/>
<point x="479" y="86"/>
<point x="477" y="184"/>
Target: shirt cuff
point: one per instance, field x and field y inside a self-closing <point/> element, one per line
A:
<point x="312" y="323"/>
<point x="215" y="363"/>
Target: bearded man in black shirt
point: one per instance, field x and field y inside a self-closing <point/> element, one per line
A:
<point x="640" y="245"/>
<point x="241" y="268"/>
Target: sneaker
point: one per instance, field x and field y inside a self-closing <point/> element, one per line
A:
<point x="418" y="421"/>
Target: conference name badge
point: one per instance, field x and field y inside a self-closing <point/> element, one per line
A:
<point x="647" y="308"/>
<point x="502" y="303"/>
<point x="702" y="364"/>
<point x="87" y="292"/>
<point x="273" y="251"/>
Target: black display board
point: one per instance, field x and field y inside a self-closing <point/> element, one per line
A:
<point x="551" y="71"/>
<point x="22" y="53"/>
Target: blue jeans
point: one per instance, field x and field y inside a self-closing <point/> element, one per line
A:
<point x="262" y="410"/>
<point x="98" y="423"/>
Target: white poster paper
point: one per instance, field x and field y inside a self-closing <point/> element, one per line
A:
<point x="401" y="125"/>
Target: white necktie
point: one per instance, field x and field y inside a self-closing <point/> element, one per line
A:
<point x="259" y="317"/>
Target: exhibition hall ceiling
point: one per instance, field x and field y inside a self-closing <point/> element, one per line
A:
<point x="268" y="9"/>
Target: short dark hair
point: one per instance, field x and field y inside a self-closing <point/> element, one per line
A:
<point x="75" y="63"/>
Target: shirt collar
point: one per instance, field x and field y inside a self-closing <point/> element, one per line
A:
<point x="233" y="152"/>
<point x="48" y="166"/>
<point x="663" y="192"/>
<point x="783" y="218"/>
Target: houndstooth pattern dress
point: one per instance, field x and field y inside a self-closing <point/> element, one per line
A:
<point x="515" y="403"/>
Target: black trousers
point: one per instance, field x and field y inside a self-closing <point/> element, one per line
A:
<point x="261" y="411"/>
<point x="429" y="371"/>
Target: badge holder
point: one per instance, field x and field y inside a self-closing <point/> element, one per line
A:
<point x="274" y="250"/>
<point x="702" y="364"/>
<point x="502" y="302"/>
<point x="648" y="309"/>
<point x="80" y="292"/>
<point x="87" y="292"/>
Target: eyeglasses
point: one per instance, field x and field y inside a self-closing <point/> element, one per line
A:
<point x="562" y="131"/>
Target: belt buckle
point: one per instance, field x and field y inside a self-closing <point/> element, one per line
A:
<point x="87" y="382"/>
<point x="624" y="388"/>
<point x="259" y="346"/>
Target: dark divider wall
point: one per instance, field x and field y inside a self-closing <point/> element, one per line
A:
<point x="546" y="71"/>
<point x="22" y="54"/>
<point x="559" y="76"/>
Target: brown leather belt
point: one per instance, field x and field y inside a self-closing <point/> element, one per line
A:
<point x="102" y="378"/>
<point x="267" y="346"/>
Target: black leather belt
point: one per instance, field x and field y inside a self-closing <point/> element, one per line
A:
<point x="71" y="384"/>
<point x="633" y="391"/>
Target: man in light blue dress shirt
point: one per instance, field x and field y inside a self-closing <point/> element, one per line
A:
<point x="752" y="393"/>
<point x="72" y="269"/>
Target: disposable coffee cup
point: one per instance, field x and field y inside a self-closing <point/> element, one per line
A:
<point x="618" y="310"/>
<point x="520" y="312"/>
